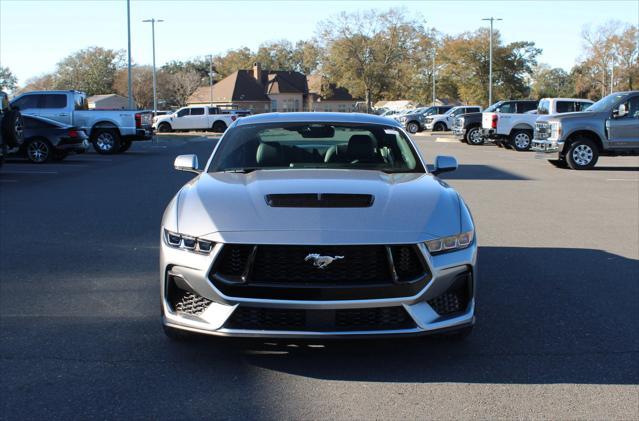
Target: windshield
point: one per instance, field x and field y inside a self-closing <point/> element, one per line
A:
<point x="451" y="111"/>
<point x="493" y="107"/>
<point x="305" y="145"/>
<point x="606" y="103"/>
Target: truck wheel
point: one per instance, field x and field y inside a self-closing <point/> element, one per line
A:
<point x="165" y="128"/>
<point x="105" y="141"/>
<point x="473" y="137"/>
<point x="521" y="140"/>
<point x="439" y="127"/>
<point x="39" y="150"/>
<point x="12" y="128"/>
<point x="412" y="127"/>
<point x="124" y="146"/>
<point x="582" y="154"/>
<point x="219" y="127"/>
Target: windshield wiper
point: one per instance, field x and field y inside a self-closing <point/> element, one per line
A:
<point x="240" y="170"/>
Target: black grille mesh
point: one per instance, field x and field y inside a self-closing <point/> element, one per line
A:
<point x="191" y="303"/>
<point x="447" y="303"/>
<point x="385" y="318"/>
<point x="407" y="262"/>
<point x="232" y="260"/>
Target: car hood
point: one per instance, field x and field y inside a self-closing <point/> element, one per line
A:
<point x="568" y="116"/>
<point x="232" y="207"/>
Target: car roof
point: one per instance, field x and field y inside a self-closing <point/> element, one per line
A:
<point x="567" y="99"/>
<point x="316" y="117"/>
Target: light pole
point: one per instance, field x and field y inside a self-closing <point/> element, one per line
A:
<point x="490" y="65"/>
<point x="433" y="104"/>
<point x="612" y="74"/>
<point x="211" y="79"/>
<point x="155" y="94"/>
<point x="128" y="27"/>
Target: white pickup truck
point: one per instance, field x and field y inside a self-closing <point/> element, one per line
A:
<point x="110" y="131"/>
<point x="195" y="117"/>
<point x="512" y="123"/>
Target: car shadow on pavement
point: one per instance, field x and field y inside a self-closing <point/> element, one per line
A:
<point x="479" y="172"/>
<point x="615" y="169"/>
<point x="544" y="315"/>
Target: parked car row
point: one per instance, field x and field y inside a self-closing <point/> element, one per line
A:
<point x="569" y="132"/>
<point x="197" y="117"/>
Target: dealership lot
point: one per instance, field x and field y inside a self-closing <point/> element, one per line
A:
<point x="557" y="306"/>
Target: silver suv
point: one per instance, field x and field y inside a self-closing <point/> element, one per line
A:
<point x="608" y="127"/>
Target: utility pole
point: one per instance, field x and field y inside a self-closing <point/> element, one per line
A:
<point x="155" y="91"/>
<point x="612" y="75"/>
<point x="128" y="26"/>
<point x="433" y="104"/>
<point x="490" y="65"/>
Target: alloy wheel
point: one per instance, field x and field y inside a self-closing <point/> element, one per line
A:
<point x="38" y="151"/>
<point x="105" y="141"/>
<point x="582" y="155"/>
<point x="475" y="137"/>
<point x="412" y="128"/>
<point x="522" y="140"/>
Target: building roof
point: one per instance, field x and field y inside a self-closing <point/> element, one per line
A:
<point x="316" y="117"/>
<point x="331" y="92"/>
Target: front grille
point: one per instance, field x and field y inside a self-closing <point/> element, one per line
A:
<point x="191" y="303"/>
<point x="359" y="264"/>
<point x="542" y="130"/>
<point x="319" y="272"/>
<point x="320" y="200"/>
<point x="343" y="320"/>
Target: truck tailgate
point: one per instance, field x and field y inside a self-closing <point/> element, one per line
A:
<point x="487" y="120"/>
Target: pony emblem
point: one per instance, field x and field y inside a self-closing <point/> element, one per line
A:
<point x="321" y="262"/>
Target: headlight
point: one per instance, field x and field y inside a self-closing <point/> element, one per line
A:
<point x="186" y="242"/>
<point x="555" y="130"/>
<point x="452" y="243"/>
<point x="429" y="120"/>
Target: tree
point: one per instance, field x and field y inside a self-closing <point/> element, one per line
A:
<point x="176" y="88"/>
<point x="8" y="82"/>
<point x="199" y="65"/>
<point x="610" y="45"/>
<point x="91" y="70"/>
<point x="141" y="85"/>
<point x="242" y="58"/>
<point x="550" y="82"/>
<point x="307" y="56"/>
<point x="371" y="53"/>
<point x="465" y="65"/>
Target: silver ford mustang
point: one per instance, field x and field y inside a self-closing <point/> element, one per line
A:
<point x="317" y="225"/>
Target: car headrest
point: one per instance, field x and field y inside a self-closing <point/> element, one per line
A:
<point x="268" y="155"/>
<point x="361" y="146"/>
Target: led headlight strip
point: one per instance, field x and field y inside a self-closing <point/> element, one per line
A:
<point x="186" y="242"/>
<point x="451" y="243"/>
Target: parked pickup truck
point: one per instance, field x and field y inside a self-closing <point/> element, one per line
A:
<point x="445" y="121"/>
<point x="110" y="131"/>
<point x="467" y="127"/>
<point x="197" y="117"/>
<point x="608" y="127"/>
<point x="514" y="128"/>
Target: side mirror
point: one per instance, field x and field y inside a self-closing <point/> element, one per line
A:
<point x="620" y="112"/>
<point x="444" y="164"/>
<point x="187" y="163"/>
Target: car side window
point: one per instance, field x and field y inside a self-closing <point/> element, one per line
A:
<point x="54" y="101"/>
<point x="183" y="112"/>
<point x="507" y="107"/>
<point x="632" y="107"/>
<point x="581" y="106"/>
<point x="565" y="106"/>
<point x="26" y="102"/>
<point x="212" y="110"/>
<point x="197" y="111"/>
<point x="524" y="107"/>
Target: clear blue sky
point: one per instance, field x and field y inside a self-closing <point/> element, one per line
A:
<point x="35" y="35"/>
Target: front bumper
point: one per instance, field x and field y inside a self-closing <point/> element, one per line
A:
<point x="547" y="148"/>
<point x="192" y="272"/>
<point x="459" y="132"/>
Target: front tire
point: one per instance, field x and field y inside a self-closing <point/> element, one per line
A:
<point x="439" y="127"/>
<point x="39" y="151"/>
<point x="106" y="141"/>
<point x="164" y="128"/>
<point x="582" y="154"/>
<point x="219" y="127"/>
<point x="412" y="127"/>
<point x="521" y="140"/>
<point x="474" y="137"/>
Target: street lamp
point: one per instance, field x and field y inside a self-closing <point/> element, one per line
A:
<point x="155" y="97"/>
<point x="433" y="104"/>
<point x="128" y="27"/>
<point x="211" y="74"/>
<point x="490" y="66"/>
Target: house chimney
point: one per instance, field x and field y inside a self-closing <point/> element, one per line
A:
<point x="257" y="71"/>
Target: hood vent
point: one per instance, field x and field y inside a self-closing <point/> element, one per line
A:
<point x="320" y="200"/>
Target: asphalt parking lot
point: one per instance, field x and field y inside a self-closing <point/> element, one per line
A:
<point x="558" y="303"/>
